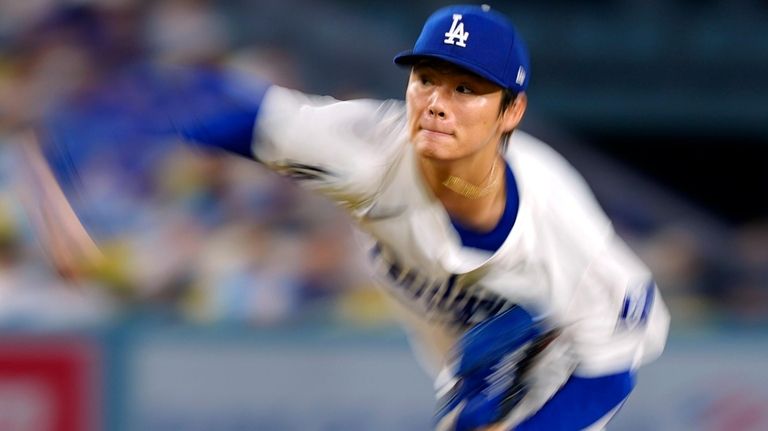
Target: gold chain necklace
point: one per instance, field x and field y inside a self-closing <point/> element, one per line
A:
<point x="469" y="190"/>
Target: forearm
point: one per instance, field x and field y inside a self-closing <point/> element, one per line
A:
<point x="59" y="230"/>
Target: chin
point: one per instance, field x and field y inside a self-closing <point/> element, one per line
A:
<point x="430" y="150"/>
<point x="433" y="150"/>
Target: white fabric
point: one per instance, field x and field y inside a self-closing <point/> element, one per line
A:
<point x="562" y="260"/>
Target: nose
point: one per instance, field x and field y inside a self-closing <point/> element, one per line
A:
<point x="436" y="105"/>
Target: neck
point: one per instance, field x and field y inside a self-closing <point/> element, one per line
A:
<point x="473" y="192"/>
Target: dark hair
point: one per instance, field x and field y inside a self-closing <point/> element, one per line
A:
<point x="507" y="99"/>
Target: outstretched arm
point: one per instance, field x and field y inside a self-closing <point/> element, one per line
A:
<point x="206" y="107"/>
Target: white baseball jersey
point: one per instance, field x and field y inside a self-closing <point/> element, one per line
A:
<point x="562" y="260"/>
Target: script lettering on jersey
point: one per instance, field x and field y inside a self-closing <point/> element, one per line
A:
<point x="302" y="172"/>
<point x="456" y="35"/>
<point x="439" y="299"/>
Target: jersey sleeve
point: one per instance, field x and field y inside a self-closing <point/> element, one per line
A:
<point x="343" y="150"/>
<point x="618" y="320"/>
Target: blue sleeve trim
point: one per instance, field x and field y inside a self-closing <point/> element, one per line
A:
<point x="581" y="402"/>
<point x="218" y="110"/>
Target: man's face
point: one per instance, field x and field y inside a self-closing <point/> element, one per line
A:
<point x="452" y="113"/>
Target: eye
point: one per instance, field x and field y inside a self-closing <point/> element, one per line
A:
<point x="463" y="89"/>
<point x="425" y="80"/>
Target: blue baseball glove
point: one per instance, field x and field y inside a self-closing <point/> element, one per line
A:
<point x="491" y="360"/>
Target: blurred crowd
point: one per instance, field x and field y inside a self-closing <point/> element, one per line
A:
<point x="195" y="236"/>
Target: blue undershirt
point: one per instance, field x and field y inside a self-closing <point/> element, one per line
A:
<point x="493" y="239"/>
<point x="216" y="110"/>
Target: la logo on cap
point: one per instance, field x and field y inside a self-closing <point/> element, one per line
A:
<point x="456" y="35"/>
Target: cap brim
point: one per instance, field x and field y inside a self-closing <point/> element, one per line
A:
<point x="408" y="58"/>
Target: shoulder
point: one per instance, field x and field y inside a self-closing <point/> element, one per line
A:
<point x="561" y="227"/>
<point x="540" y="166"/>
<point x="563" y="210"/>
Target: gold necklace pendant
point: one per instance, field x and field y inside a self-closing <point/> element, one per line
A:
<point x="469" y="190"/>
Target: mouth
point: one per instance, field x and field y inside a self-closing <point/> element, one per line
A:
<point x="434" y="132"/>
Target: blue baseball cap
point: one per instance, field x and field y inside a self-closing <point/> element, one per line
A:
<point x="477" y="39"/>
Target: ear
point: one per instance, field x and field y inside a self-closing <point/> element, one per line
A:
<point x="514" y="114"/>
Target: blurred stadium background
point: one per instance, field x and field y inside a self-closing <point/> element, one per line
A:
<point x="233" y="301"/>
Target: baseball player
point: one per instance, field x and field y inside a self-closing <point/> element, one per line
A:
<point x="520" y="300"/>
